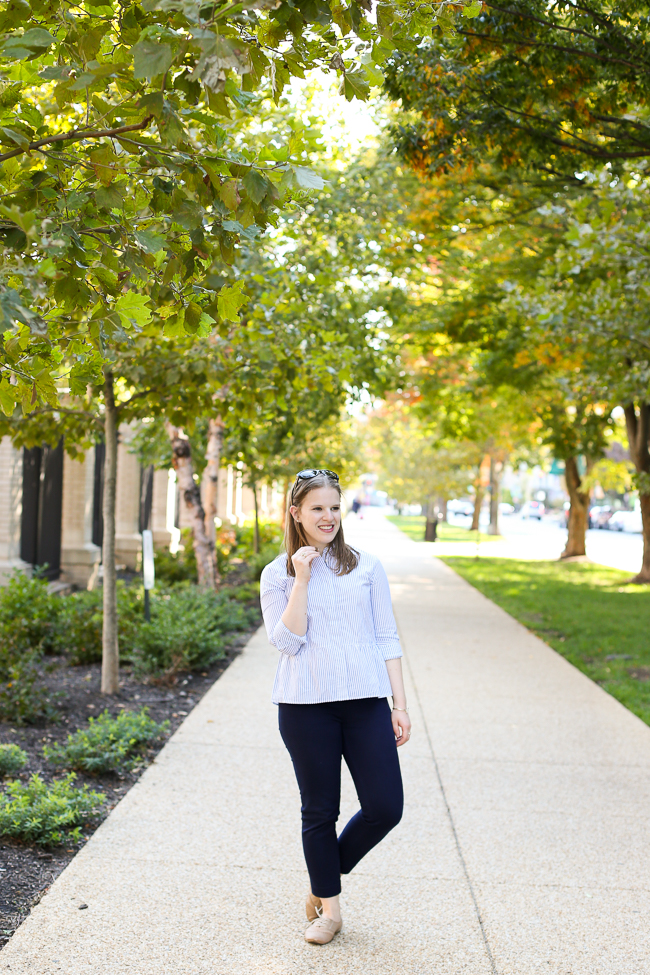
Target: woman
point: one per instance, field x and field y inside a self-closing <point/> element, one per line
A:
<point x="327" y="609"/>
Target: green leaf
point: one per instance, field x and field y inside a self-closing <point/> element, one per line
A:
<point x="229" y="194"/>
<point x="193" y="313"/>
<point x="153" y="104"/>
<point x="7" y="397"/>
<point x="132" y="309"/>
<point x="106" y="164"/>
<point x="354" y="85"/>
<point x="15" y="136"/>
<point x="174" y="327"/>
<point x="373" y="73"/>
<point x="55" y="72"/>
<point x="31" y="43"/>
<point x="149" y="241"/>
<point x="229" y="301"/>
<point x="110" y="197"/>
<point x="233" y="226"/>
<point x="251" y="232"/>
<point x="205" y="325"/>
<point x="242" y="99"/>
<point x="307" y="179"/>
<point x="474" y="9"/>
<point x="189" y="215"/>
<point x="82" y="375"/>
<point x="46" y="389"/>
<point x="25" y="221"/>
<point x="151" y="59"/>
<point x="342" y="18"/>
<point x="256" y="185"/>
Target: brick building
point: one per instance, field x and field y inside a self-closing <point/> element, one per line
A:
<point x="51" y="509"/>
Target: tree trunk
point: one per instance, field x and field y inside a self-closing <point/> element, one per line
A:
<point x="644" y="574"/>
<point x="256" y="536"/>
<point x="431" y="526"/>
<point x="496" y="468"/>
<point x="638" y="432"/>
<point x="204" y="551"/>
<point x="478" y="501"/>
<point x="211" y="475"/>
<point x="110" y="649"/>
<point x="211" y="484"/>
<point x="578" y="512"/>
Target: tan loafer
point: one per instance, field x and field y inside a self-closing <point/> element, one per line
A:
<point x="313" y="907"/>
<point x="322" y="930"/>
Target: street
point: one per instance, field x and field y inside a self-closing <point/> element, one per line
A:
<point x="524" y="538"/>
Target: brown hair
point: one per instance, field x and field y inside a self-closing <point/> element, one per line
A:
<point x="346" y="559"/>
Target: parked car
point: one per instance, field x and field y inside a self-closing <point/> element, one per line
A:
<point x="506" y="509"/>
<point x="533" y="509"/>
<point x="600" y="515"/>
<point x="625" y="521"/>
<point x="457" y="507"/>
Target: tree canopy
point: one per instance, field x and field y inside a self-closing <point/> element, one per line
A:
<point x="555" y="88"/>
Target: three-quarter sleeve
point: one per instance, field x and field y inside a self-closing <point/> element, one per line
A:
<point x="382" y="614"/>
<point x="273" y="598"/>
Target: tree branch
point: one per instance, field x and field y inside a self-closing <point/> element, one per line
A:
<point x="76" y="135"/>
<point x="528" y="42"/>
<point x="45" y="410"/>
<point x="556" y="26"/>
<point x="578" y="144"/>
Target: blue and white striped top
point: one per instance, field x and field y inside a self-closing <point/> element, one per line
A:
<point x="351" y="631"/>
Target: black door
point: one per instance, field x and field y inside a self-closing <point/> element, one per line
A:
<point x="98" y="495"/>
<point x="40" y="534"/>
<point x="146" y="497"/>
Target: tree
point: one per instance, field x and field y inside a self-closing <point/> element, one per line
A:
<point x="416" y="464"/>
<point x="594" y="301"/>
<point x="482" y="247"/>
<point x="134" y="139"/>
<point x="550" y="89"/>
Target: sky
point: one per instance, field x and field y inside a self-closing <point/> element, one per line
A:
<point x="352" y="123"/>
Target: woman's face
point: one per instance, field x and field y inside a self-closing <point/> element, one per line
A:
<point x="319" y="515"/>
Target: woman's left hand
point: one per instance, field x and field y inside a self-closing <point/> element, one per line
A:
<point x="401" y="726"/>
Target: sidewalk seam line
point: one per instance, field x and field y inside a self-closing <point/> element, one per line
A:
<point x="447" y="807"/>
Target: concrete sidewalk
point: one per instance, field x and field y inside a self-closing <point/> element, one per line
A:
<point x="523" y="849"/>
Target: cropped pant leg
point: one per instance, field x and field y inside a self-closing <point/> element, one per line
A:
<point x="317" y="736"/>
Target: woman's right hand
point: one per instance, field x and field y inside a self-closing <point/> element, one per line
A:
<point x="302" y="561"/>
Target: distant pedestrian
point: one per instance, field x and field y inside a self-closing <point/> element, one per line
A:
<point x="327" y="609"/>
<point x="357" y="503"/>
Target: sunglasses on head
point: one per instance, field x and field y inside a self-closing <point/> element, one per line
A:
<point x="307" y="475"/>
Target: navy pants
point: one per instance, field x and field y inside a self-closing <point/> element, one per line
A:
<point x="317" y="736"/>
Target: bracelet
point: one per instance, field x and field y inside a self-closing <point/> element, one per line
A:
<point x="400" y="709"/>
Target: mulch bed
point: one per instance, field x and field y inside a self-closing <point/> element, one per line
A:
<point x="26" y="872"/>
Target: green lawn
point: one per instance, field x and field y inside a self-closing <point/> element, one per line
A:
<point x="583" y="611"/>
<point x="413" y="526"/>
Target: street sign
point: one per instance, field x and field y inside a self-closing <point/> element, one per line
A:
<point x="148" y="575"/>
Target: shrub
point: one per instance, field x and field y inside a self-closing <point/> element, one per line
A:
<point x="179" y="567"/>
<point x="81" y="627"/>
<point x="257" y="562"/>
<point x="29" y="614"/>
<point x="23" y="697"/>
<point x="234" y="546"/>
<point x="108" y="743"/>
<point x="47" y="814"/>
<point x="81" y="623"/>
<point x="270" y="539"/>
<point x="226" y="547"/>
<point x="244" y="593"/>
<point x="187" y="630"/>
<point x="12" y="759"/>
